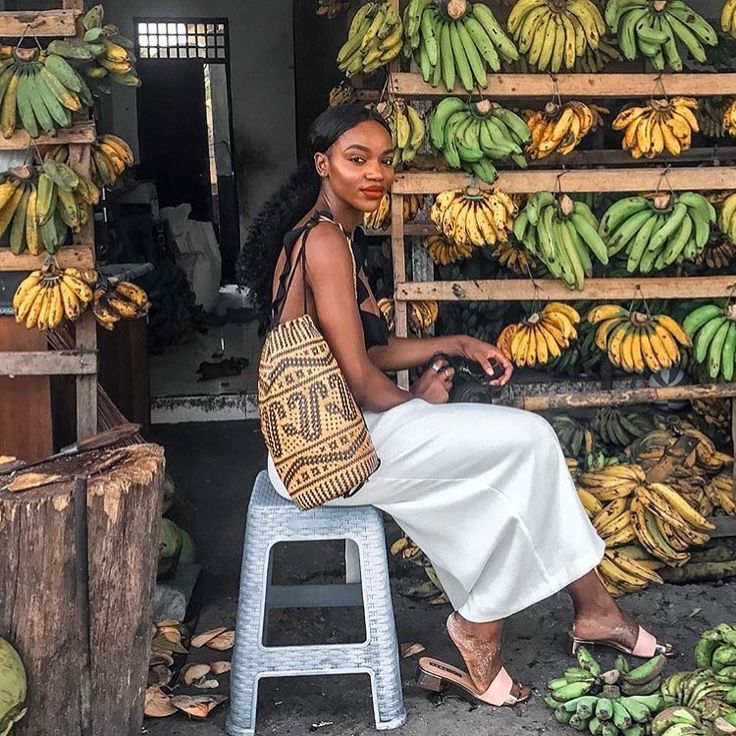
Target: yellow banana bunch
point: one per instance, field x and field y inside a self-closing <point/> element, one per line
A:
<point x="342" y="94"/>
<point x="558" y="128"/>
<point x="444" y="252"/>
<point x="380" y="219"/>
<point x="729" y="119"/>
<point x="659" y="126"/>
<point x="111" y="156"/>
<point x="514" y="256"/>
<point x="621" y="573"/>
<point x="542" y="336"/>
<point x="116" y="300"/>
<point x="635" y="341"/>
<point x="728" y="18"/>
<point x="375" y="37"/>
<point x="407" y="128"/>
<point x="422" y="315"/>
<point x="386" y="307"/>
<point x="474" y="216"/>
<point x="726" y="217"/>
<point x="721" y="493"/>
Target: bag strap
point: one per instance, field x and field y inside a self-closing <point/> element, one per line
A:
<point x="290" y="268"/>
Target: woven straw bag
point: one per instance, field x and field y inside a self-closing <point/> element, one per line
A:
<point x="312" y="427"/>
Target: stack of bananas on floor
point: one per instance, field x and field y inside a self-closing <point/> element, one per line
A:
<point x="472" y="136"/>
<point x="729" y="119"/>
<point x="721" y="493"/>
<point x="375" y="37"/>
<point x="444" y="251"/>
<point x="621" y="701"/>
<point x="407" y="128"/>
<point x="659" y="126"/>
<point x="541" y="337"/>
<point x="381" y="218"/>
<point x="554" y="34"/>
<point x="717" y="254"/>
<point x="39" y="91"/>
<point x="558" y="128"/>
<point x="654" y="30"/>
<point x="635" y="341"/>
<point x="514" y="256"/>
<point x="659" y="231"/>
<point x="712" y="329"/>
<point x="711" y="115"/>
<point x="455" y="40"/>
<point x="102" y="54"/>
<point x="575" y="438"/>
<point x="727" y="217"/>
<point x="678" y="720"/>
<point x="342" y="93"/>
<point x="50" y="294"/>
<point x="332" y="8"/>
<point x="110" y="157"/>
<point x="472" y="215"/>
<point x="728" y="18"/>
<point x="114" y="300"/>
<point x="561" y="232"/>
<point x="616" y="428"/>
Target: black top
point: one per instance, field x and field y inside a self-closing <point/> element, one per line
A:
<point x="375" y="329"/>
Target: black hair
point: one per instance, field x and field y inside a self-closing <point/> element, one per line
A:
<point x="295" y="197"/>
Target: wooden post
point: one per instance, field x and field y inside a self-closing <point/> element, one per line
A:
<point x="401" y="324"/>
<point x="38" y="588"/>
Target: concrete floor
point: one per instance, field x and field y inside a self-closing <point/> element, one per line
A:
<point x="214" y="466"/>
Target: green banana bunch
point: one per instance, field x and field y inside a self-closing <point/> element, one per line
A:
<point x="701" y="692"/>
<point x="713" y="331"/>
<point x="677" y="721"/>
<point x="407" y="128"/>
<point x="456" y="40"/>
<point x="375" y="37"/>
<point x="596" y="60"/>
<point x="13" y="687"/>
<point x="711" y="115"/>
<point x="654" y="30"/>
<point x="727" y="218"/>
<point x="657" y="233"/>
<point x="562" y="234"/>
<point x="472" y="136"/>
<point x="583" y="356"/>
<point x="575" y="438"/>
<point x="716" y="648"/>
<point x="619" y="429"/>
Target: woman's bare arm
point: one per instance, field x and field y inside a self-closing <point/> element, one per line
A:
<point x="402" y="353"/>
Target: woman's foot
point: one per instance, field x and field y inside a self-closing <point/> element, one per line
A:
<point x="480" y="647"/>
<point x="611" y="624"/>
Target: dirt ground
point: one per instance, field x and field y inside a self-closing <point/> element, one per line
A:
<point x="214" y="466"/>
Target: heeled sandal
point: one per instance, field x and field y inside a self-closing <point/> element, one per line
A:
<point x="432" y="674"/>
<point x="646" y="645"/>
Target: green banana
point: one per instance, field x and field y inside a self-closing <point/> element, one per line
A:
<point x="646" y="671"/>
<point x="704" y="337"/>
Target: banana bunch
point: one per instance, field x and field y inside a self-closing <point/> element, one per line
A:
<point x="678" y="720"/>
<point x="332" y="8"/>
<point x="111" y="155"/>
<point x="115" y="300"/>
<point x="407" y="128"/>
<point x="342" y="93"/>
<point x="39" y="91"/>
<point x="655" y="29"/>
<point x="540" y="337"/>
<point x="594" y="61"/>
<point x="375" y="37"/>
<point x="711" y="115"/>
<point x="444" y="252"/>
<point x="619" y="429"/>
<point x="722" y="493"/>
<point x="717" y="255"/>
<point x="381" y="218"/>
<point x="583" y="356"/>
<point x="456" y="40"/>
<point x="662" y="125"/>
<point x="575" y="438"/>
<point x="554" y="34"/>
<point x="705" y="693"/>
<point x="716" y="650"/>
<point x="658" y="232"/>
<point x="729" y="119"/>
<point x="635" y="341"/>
<point x="422" y="315"/>
<point x="514" y="256"/>
<point x="102" y="54"/>
<point x="714" y="413"/>
<point x="728" y="18"/>
<point x="713" y="332"/>
<point x="51" y="294"/>
<point x="474" y="216"/>
<point x="561" y="232"/>
<point x="621" y="574"/>
<point x="472" y="136"/>
<point x="727" y="217"/>
<point x="386" y="308"/>
<point x="558" y="128"/>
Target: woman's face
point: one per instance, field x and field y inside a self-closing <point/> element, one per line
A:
<point x="358" y="165"/>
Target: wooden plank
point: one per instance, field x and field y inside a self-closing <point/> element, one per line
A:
<point x="623" y="397"/>
<point x="594" y="180"/>
<point x="48" y="363"/>
<point x="401" y="320"/>
<point x="578" y="85"/>
<point x="42" y="23"/>
<point x="690" y="287"/>
<point x="69" y="257"/>
<point x="410" y="228"/>
<point x="86" y="339"/>
<point x="82" y="132"/>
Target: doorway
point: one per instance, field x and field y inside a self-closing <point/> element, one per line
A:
<point x="185" y="122"/>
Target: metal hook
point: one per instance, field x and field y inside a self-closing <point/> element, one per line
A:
<point x="555" y="88"/>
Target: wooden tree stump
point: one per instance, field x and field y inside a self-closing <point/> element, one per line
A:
<point x="38" y="588"/>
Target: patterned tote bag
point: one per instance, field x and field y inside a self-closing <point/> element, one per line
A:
<point x="312" y="427"/>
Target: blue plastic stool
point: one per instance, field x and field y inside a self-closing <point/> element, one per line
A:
<point x="273" y="519"/>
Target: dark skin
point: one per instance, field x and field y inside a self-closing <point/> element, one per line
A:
<point x="357" y="163"/>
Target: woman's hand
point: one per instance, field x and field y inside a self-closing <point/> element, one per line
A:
<point x="487" y="355"/>
<point x="435" y="383"/>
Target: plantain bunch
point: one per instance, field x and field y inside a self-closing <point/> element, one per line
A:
<point x="559" y="128"/>
<point x="407" y="128"/>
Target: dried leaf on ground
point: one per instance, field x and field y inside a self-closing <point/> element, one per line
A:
<point x="161" y="643"/>
<point x="220" y="667"/>
<point x="28" y="481"/>
<point x="160" y="674"/>
<point x="201" y="639"/>
<point x="194" y="672"/>
<point x="423" y="590"/>
<point x="197" y="706"/>
<point x="157" y="658"/>
<point x="205" y="684"/>
<point x="171" y="634"/>
<point x="158" y="704"/>
<point x="223" y="642"/>
<point x="411" y="648"/>
<point x="168" y="622"/>
<point x="440" y="600"/>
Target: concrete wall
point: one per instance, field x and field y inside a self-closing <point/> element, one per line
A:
<point x="261" y="78"/>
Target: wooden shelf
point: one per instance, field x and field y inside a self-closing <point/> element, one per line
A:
<point x="78" y="133"/>
<point x="691" y="287"/>
<point x="640" y="85"/>
<point x="72" y="256"/>
<point x="594" y="180"/>
<point x="42" y="23"/>
<point x="49" y="363"/>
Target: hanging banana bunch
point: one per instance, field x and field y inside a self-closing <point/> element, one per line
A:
<point x="729" y="119"/>
<point x="594" y="61"/>
<point x="422" y="314"/>
<point x="375" y="37"/>
<point x="386" y="307"/>
<point x="717" y="255"/>
<point x="713" y="332"/>
<point x="332" y="8"/>
<point x="728" y="18"/>
<point x="514" y="256"/>
<point x="712" y="116"/>
<point x="653" y="29"/>
<point x="381" y="218"/>
<point x="111" y="156"/>
<point x="559" y="128"/>
<point x="662" y="125"/>
<point x="342" y="93"/>
<point x="455" y="40"/>
<point x="114" y="300"/>
<point x="445" y="252"/>
<point x="407" y="128"/>
<point x="727" y="217"/>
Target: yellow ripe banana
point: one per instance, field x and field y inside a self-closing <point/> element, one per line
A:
<point x="132" y="293"/>
<point x="590" y="503"/>
<point x="81" y="289"/>
<point x="623" y="536"/>
<point x="625" y="562"/>
<point x="620" y="576"/>
<point x="554" y="348"/>
<point x="682" y="507"/>
<point x="610" y="512"/>
<point x="123" y="307"/>
<point x="47" y="296"/>
<point x="33" y="238"/>
<point x="7" y="189"/>
<point x="666" y="352"/>
<point x="24" y="288"/>
<point x="650" y="357"/>
<point x="56" y="307"/>
<point x="636" y="351"/>
<point x="72" y="304"/>
<point x="123" y="150"/>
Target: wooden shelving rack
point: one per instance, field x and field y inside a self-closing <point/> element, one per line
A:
<point x="649" y="177"/>
<point x="82" y="360"/>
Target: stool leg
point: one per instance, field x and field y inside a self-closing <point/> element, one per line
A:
<point x="352" y="562"/>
